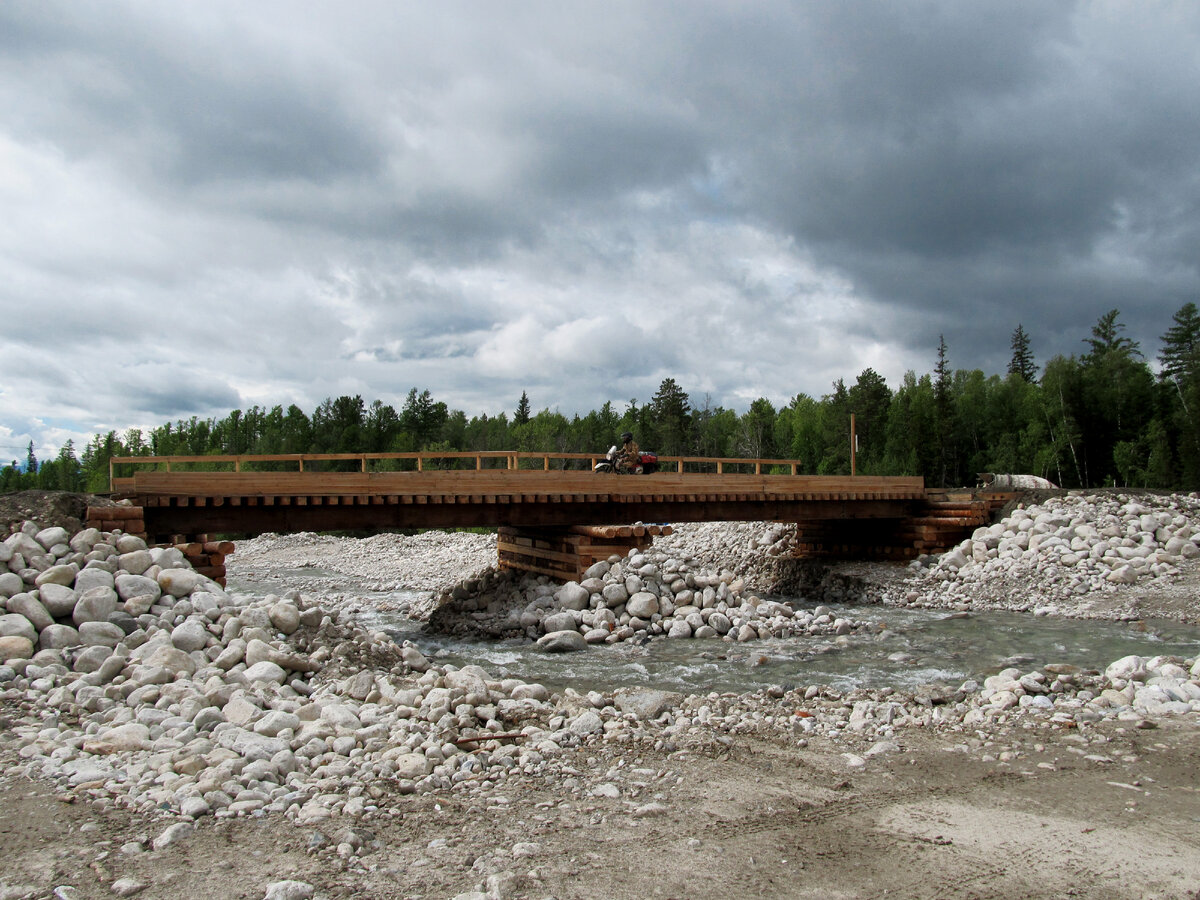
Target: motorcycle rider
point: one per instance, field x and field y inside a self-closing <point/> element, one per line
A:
<point x="629" y="457"/>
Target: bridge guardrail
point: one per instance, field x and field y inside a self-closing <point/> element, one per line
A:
<point x="428" y="459"/>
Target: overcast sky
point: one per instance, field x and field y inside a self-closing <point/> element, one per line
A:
<point x="215" y="205"/>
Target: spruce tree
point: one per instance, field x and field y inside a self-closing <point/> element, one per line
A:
<point x="941" y="375"/>
<point x="1181" y="345"/>
<point x="1022" y="359"/>
<point x="943" y="412"/>
<point x="522" y="414"/>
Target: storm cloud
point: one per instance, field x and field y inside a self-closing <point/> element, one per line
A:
<point x="227" y="204"/>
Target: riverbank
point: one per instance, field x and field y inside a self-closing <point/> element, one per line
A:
<point x="250" y="746"/>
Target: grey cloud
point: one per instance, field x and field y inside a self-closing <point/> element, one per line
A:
<point x="169" y="401"/>
<point x="208" y="106"/>
<point x="581" y="200"/>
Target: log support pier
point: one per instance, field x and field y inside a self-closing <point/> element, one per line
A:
<point x="205" y="556"/>
<point x="943" y="519"/>
<point x="128" y="519"/>
<point x="565" y="553"/>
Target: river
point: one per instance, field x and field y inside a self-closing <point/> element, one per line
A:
<point x="904" y="649"/>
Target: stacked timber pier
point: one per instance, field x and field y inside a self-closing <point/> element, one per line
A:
<point x="942" y="520"/>
<point x="566" y="553"/>
<point x="205" y="556"/>
<point x="554" y="515"/>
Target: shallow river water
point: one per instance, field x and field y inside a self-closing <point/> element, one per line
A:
<point x="908" y="647"/>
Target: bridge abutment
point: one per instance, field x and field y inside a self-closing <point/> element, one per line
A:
<point x="205" y="556"/>
<point x="941" y="520"/>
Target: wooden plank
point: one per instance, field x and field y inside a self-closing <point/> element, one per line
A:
<point x="557" y="574"/>
<point x="496" y="481"/>
<point x="538" y="553"/>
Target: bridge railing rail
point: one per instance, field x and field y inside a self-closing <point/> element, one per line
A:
<point x="121" y="468"/>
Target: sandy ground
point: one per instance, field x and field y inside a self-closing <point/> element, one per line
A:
<point x="1110" y="815"/>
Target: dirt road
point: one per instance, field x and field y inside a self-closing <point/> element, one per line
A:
<point x="1039" y="813"/>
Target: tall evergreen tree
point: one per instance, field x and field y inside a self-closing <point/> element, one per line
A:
<point x="670" y="409"/>
<point x="1022" y="359"/>
<point x="1107" y="338"/>
<point x="68" y="477"/>
<point x="1180" y="354"/>
<point x="941" y="373"/>
<point x="1180" y="361"/>
<point x="943" y="413"/>
<point x="522" y="414"/>
<point x="31" y="462"/>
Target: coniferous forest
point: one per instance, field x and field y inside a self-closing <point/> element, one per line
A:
<point x="1101" y="417"/>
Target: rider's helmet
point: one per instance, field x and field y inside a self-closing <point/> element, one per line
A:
<point x="626" y="437"/>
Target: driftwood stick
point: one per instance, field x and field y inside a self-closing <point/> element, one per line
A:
<point x="488" y="736"/>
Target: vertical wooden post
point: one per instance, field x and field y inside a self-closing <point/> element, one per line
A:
<point x="853" y="447"/>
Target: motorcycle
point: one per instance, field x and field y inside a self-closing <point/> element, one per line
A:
<point x="612" y="462"/>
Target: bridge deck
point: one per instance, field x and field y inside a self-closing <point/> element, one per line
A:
<point x="516" y="484"/>
<point x="191" y="502"/>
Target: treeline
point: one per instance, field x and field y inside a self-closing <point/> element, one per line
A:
<point x="1099" y="418"/>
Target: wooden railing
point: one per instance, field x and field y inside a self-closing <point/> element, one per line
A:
<point x="421" y="460"/>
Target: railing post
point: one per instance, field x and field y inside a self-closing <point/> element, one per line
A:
<point x="853" y="448"/>
<point x="419" y="469"/>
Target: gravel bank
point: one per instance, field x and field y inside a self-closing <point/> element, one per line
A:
<point x="136" y="687"/>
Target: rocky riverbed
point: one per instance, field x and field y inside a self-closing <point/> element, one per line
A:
<point x="162" y="736"/>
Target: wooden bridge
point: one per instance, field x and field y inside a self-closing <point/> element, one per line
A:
<point x="543" y="502"/>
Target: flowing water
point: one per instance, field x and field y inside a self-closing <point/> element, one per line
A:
<point x="906" y="648"/>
